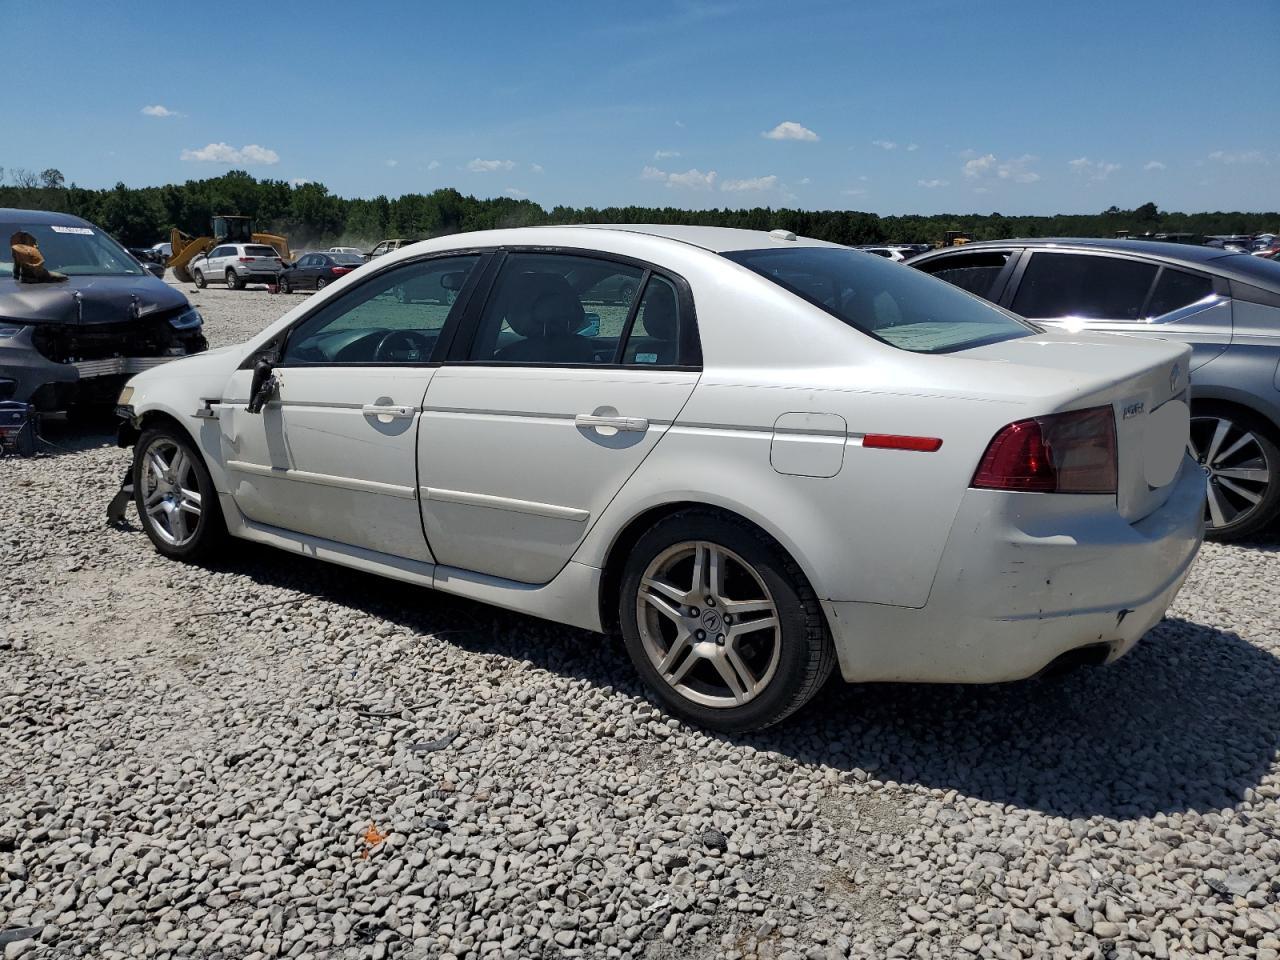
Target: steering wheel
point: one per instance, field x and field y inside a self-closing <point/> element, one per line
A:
<point x="409" y="341"/>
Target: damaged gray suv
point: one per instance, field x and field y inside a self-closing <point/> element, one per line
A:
<point x="75" y="328"/>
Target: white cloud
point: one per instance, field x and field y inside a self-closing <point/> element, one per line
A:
<point x="694" y="179"/>
<point x="393" y="163"/>
<point x="854" y="192"/>
<point x="752" y="183"/>
<point x="1244" y="156"/>
<point x="250" y="153"/>
<point x="805" y="181"/>
<point x="884" y="144"/>
<point x="536" y="167"/>
<point x="913" y="146"/>
<point x="1153" y="165"/>
<point x="156" y="110"/>
<point x="680" y="124"/>
<point x="989" y="166"/>
<point x="513" y="192"/>
<point x="967" y="154"/>
<point x="931" y="184"/>
<point x="1093" y="169"/>
<point x="433" y="165"/>
<point x="488" y="166"/>
<point x="790" y="130"/>
<point x="300" y="181"/>
<point x="665" y="154"/>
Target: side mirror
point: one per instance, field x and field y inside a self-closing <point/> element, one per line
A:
<point x="262" y="386"/>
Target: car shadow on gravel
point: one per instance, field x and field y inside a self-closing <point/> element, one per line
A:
<point x="1189" y="720"/>
<point x="60" y="436"/>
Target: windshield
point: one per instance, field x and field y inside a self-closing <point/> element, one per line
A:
<point x="77" y="251"/>
<point x="893" y="303"/>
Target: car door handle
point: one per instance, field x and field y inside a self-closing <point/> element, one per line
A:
<point x="386" y="410"/>
<point x="589" y="421"/>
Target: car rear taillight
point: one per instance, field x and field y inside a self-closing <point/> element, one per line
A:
<point x="1062" y="453"/>
<point x="339" y="271"/>
<point x="248" y="259"/>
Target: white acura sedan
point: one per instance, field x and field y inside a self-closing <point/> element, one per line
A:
<point x="771" y="456"/>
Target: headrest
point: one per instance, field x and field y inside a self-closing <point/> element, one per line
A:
<point x="543" y="305"/>
<point x="660" y="311"/>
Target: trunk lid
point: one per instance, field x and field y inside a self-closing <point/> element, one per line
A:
<point x="1143" y="380"/>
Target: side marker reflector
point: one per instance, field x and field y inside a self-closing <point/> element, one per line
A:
<point x="890" y="441"/>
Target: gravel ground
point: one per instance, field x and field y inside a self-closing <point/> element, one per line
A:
<point x="273" y="757"/>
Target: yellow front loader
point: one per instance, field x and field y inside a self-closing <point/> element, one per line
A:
<point x="226" y="229"/>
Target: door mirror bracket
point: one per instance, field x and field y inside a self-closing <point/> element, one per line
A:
<point x="263" y="386"/>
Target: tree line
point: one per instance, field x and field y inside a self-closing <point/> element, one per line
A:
<point x="309" y="215"/>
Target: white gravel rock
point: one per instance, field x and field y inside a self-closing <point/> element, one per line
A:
<point x="220" y="762"/>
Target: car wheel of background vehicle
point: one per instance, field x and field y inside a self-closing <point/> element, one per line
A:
<point x="402" y="295"/>
<point x="174" y="493"/>
<point x="283" y="285"/>
<point x="627" y="292"/>
<point x="320" y="282"/>
<point x="199" y="279"/>
<point x="721" y="623"/>
<point x="1240" y="457"/>
<point x="233" y="280"/>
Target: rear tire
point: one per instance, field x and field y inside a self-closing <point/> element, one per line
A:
<point x="234" y="281"/>
<point x="1245" y="448"/>
<point x="737" y="651"/>
<point x="320" y="283"/>
<point x="200" y="281"/>
<point x="167" y="471"/>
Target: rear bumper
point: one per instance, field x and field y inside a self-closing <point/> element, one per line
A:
<point x="1022" y="582"/>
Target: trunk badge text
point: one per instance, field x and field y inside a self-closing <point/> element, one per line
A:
<point x="1132" y="410"/>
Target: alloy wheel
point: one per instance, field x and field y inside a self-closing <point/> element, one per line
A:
<point x="1237" y="472"/>
<point x="708" y="624"/>
<point x="171" y="492"/>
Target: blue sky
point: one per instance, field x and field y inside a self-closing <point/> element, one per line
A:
<point x="922" y="106"/>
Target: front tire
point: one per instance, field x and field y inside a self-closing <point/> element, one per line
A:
<point x="200" y="281"/>
<point x="283" y="285"/>
<point x="1241" y="459"/>
<point x="721" y="623"/>
<point x="320" y="282"/>
<point x="174" y="494"/>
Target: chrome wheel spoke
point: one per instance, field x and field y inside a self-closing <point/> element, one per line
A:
<point x="665" y="607"/>
<point x="159" y="469"/>
<point x="737" y="689"/>
<point x="1244" y="441"/>
<point x="1252" y="474"/>
<point x="668" y="590"/>
<point x="739" y="608"/>
<point x="749" y="681"/>
<point x="751" y="626"/>
<point x="1216" y="504"/>
<point x="1238" y="490"/>
<point x="1219" y="435"/>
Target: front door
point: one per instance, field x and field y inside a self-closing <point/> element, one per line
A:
<point x="558" y="398"/>
<point x="332" y="454"/>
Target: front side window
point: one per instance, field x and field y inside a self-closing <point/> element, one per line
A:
<point x="551" y="308"/>
<point x="394" y="317"/>
<point x="1176" y="289"/>
<point x="976" y="272"/>
<point x="1087" y="286"/>
<point x="891" y="302"/>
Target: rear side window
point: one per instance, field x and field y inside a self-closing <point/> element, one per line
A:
<point x="975" y="272"/>
<point x="892" y="302"/>
<point x="1081" y="285"/>
<point x="1176" y="289"/>
<point x="654" y="339"/>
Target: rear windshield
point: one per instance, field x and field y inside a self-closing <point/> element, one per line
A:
<point x="346" y="258"/>
<point x="73" y="250"/>
<point x="260" y="252"/>
<point x="889" y="301"/>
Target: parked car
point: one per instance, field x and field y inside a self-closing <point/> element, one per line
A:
<point x="237" y="264"/>
<point x="1225" y="305"/>
<point x="73" y="343"/>
<point x="782" y="455"/>
<point x="355" y="251"/>
<point x="387" y="246"/>
<point x="162" y="252"/>
<point x="149" y="263"/>
<point x="315" y="271"/>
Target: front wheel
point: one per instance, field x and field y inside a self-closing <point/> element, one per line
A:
<point x="722" y="624"/>
<point x="201" y="282"/>
<point x="175" y="497"/>
<point x="1241" y="463"/>
<point x="320" y="282"/>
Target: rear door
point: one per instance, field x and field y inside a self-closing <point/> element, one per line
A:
<point x="1110" y="293"/>
<point x="548" y="407"/>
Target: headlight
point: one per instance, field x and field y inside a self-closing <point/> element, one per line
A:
<point x="188" y="320"/>
<point x="126" y="395"/>
<point x="8" y="330"/>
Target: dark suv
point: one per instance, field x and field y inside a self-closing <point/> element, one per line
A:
<point x="1225" y="305"/>
<point x="76" y="340"/>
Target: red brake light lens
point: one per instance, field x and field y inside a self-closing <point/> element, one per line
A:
<point x="338" y="271"/>
<point x="1063" y="453"/>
